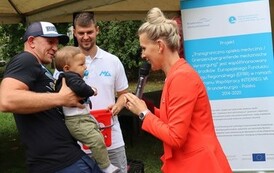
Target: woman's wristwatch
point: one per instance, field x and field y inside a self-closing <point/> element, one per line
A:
<point x="143" y="114"/>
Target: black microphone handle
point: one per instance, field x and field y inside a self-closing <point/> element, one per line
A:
<point x="140" y="86"/>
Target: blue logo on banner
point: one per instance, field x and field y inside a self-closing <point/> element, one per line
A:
<point x="232" y="19"/>
<point x="258" y="157"/>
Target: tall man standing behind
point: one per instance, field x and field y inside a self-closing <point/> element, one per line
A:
<point x="107" y="74"/>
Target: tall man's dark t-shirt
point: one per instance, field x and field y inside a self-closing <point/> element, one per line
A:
<point x="48" y="143"/>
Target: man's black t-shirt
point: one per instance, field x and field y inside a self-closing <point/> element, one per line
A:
<point x="48" y="143"/>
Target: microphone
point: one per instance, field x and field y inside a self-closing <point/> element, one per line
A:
<point x="143" y="74"/>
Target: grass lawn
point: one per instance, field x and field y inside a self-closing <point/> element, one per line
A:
<point x="12" y="158"/>
<point x="140" y="146"/>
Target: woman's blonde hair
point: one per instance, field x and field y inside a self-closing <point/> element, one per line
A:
<point x="64" y="56"/>
<point x="157" y="26"/>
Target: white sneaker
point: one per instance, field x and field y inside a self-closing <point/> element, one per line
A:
<point x="111" y="169"/>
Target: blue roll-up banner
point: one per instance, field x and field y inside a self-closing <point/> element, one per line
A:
<point x="229" y="43"/>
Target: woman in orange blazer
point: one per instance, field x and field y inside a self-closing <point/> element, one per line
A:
<point x="184" y="121"/>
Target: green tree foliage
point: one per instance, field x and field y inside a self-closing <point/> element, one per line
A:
<point x="11" y="40"/>
<point x="120" y="38"/>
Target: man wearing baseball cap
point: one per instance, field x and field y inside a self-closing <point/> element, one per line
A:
<point x="44" y="29"/>
<point x="27" y="90"/>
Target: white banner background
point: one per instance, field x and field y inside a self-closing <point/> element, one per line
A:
<point x="230" y="44"/>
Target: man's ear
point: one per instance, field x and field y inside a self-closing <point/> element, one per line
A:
<point x="73" y="31"/>
<point x="30" y="41"/>
<point x="97" y="30"/>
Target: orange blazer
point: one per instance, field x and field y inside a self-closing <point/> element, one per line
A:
<point x="184" y="123"/>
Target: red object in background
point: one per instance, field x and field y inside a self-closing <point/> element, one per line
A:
<point x="103" y="116"/>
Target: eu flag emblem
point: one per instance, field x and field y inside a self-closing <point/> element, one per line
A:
<point x="258" y="157"/>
